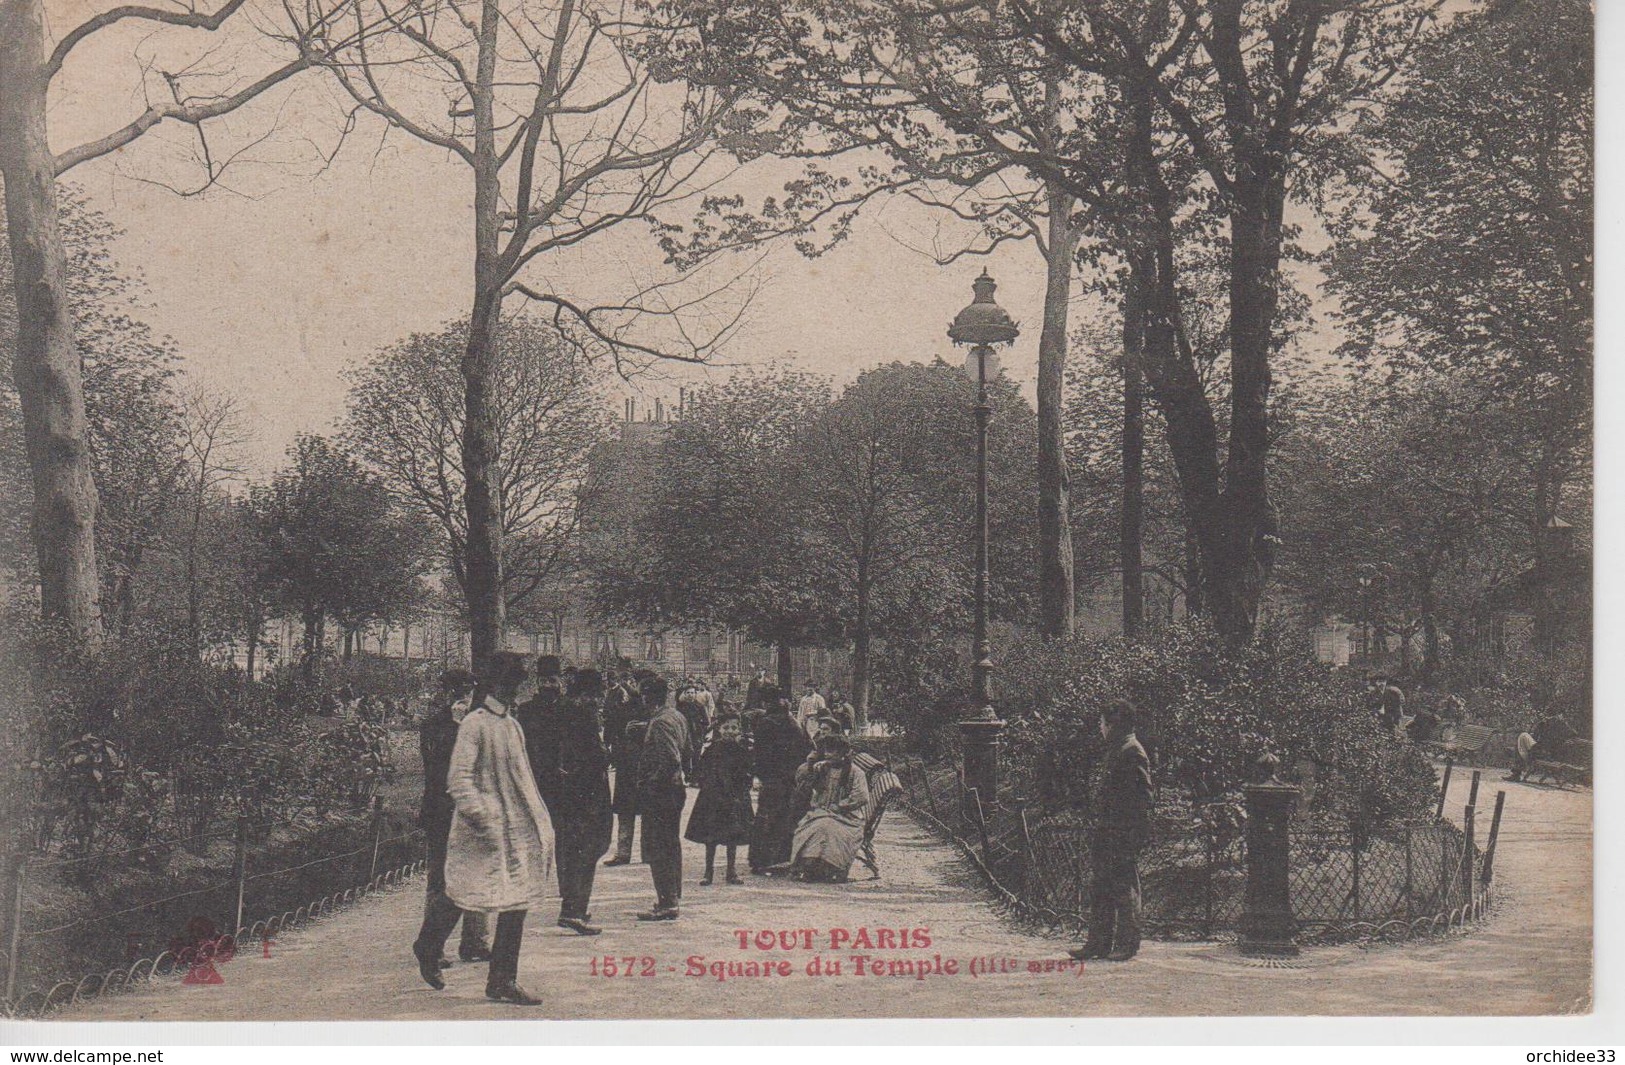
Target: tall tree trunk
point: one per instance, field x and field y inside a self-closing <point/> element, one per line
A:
<point x="860" y="659"/>
<point x="49" y="383"/>
<point x="487" y="610"/>
<point x="786" y="667"/>
<point x="1131" y="530"/>
<point x="1236" y="588"/>
<point x="255" y="623"/>
<point x="1055" y="581"/>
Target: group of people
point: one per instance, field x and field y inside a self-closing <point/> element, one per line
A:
<point x="518" y="792"/>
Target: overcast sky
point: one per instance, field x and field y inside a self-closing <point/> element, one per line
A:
<point x="277" y="284"/>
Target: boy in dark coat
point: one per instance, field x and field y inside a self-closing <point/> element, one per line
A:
<point x="780" y="748"/>
<point x="582" y="820"/>
<point x="661" y="796"/>
<point x="722" y="815"/>
<point x="1122" y="824"/>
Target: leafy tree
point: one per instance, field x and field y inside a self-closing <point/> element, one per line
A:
<point x="884" y="483"/>
<point x="1422" y="491"/>
<point x="338" y="544"/>
<point x="133" y="415"/>
<point x="406" y="419"/>
<point x="1473" y="254"/>
<point x="697" y="525"/>
<point x="46" y="365"/>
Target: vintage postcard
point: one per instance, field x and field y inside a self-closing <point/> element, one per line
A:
<point x="745" y="509"/>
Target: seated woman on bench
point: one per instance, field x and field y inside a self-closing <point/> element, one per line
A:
<point x="829" y="836"/>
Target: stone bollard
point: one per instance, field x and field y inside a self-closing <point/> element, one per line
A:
<point x="1267" y="924"/>
<point x="980" y="740"/>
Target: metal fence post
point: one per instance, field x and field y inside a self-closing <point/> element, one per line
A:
<point x="14" y="940"/>
<point x="1444" y="789"/>
<point x="930" y="796"/>
<point x="377" y="835"/>
<point x="1409" y="832"/>
<point x="240" y="870"/>
<point x="1211" y="842"/>
<point x="1355" y="891"/>
<point x="1467" y="854"/>
<point x="1495" y="831"/>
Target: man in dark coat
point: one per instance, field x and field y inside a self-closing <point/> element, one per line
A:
<point x="780" y="748"/>
<point x="543" y="727"/>
<point x="1122" y="823"/>
<point x="661" y="796"/>
<point x="582" y="820"/>
<point x="624" y="726"/>
<point x="436" y="737"/>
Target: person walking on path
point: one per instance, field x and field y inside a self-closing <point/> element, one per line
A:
<point x="722" y="814"/>
<point x="499" y="858"/>
<point x="692" y="705"/>
<point x="809" y="709"/>
<point x="437" y="736"/>
<point x="582" y="817"/>
<point x="1122" y="823"/>
<point x="661" y="797"/>
<point x="627" y="754"/>
<point x="780" y="748"/>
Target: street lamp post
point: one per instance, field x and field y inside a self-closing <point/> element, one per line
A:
<point x="982" y="325"/>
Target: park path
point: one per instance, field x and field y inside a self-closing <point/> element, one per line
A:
<point x="1533" y="956"/>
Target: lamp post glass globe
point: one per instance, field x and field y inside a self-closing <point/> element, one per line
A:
<point x="982" y="325"/>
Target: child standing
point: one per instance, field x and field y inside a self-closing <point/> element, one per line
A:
<point x="722" y="815"/>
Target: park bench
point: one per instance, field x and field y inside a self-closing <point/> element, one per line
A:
<point x="1572" y="764"/>
<point x="1466" y="742"/>
<point x="884" y="786"/>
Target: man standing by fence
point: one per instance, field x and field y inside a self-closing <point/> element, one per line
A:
<point x="1122" y="823"/>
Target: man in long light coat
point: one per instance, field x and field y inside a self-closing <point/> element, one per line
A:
<point x="500" y="856"/>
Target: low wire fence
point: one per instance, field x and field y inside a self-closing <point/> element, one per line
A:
<point x="1412" y="879"/>
<point x="79" y="927"/>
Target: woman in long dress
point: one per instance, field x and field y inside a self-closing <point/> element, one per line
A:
<point x="829" y="835"/>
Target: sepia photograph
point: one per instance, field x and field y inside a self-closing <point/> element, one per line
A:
<point x="738" y="510"/>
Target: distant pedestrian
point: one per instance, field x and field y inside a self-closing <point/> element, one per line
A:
<point x="842" y="710"/>
<point x="500" y="854"/>
<point x="1122" y="824"/>
<point x="691" y="703"/>
<point x="809" y="708"/>
<point x="625" y="723"/>
<point x="722" y="814"/>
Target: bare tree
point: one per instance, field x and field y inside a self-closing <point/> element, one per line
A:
<point x="567" y="132"/>
<point x="48" y="373"/>
<point x="214" y="437"/>
<point x="406" y="423"/>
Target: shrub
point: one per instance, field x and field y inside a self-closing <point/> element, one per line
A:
<point x="1208" y="711"/>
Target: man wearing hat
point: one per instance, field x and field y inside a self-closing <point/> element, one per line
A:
<point x="581" y="812"/>
<point x="1122" y="825"/>
<point x="499" y="857"/>
<point x="436" y="737"/>
<point x="661" y="797"/>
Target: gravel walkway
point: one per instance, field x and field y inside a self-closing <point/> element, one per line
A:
<point x="1533" y="956"/>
